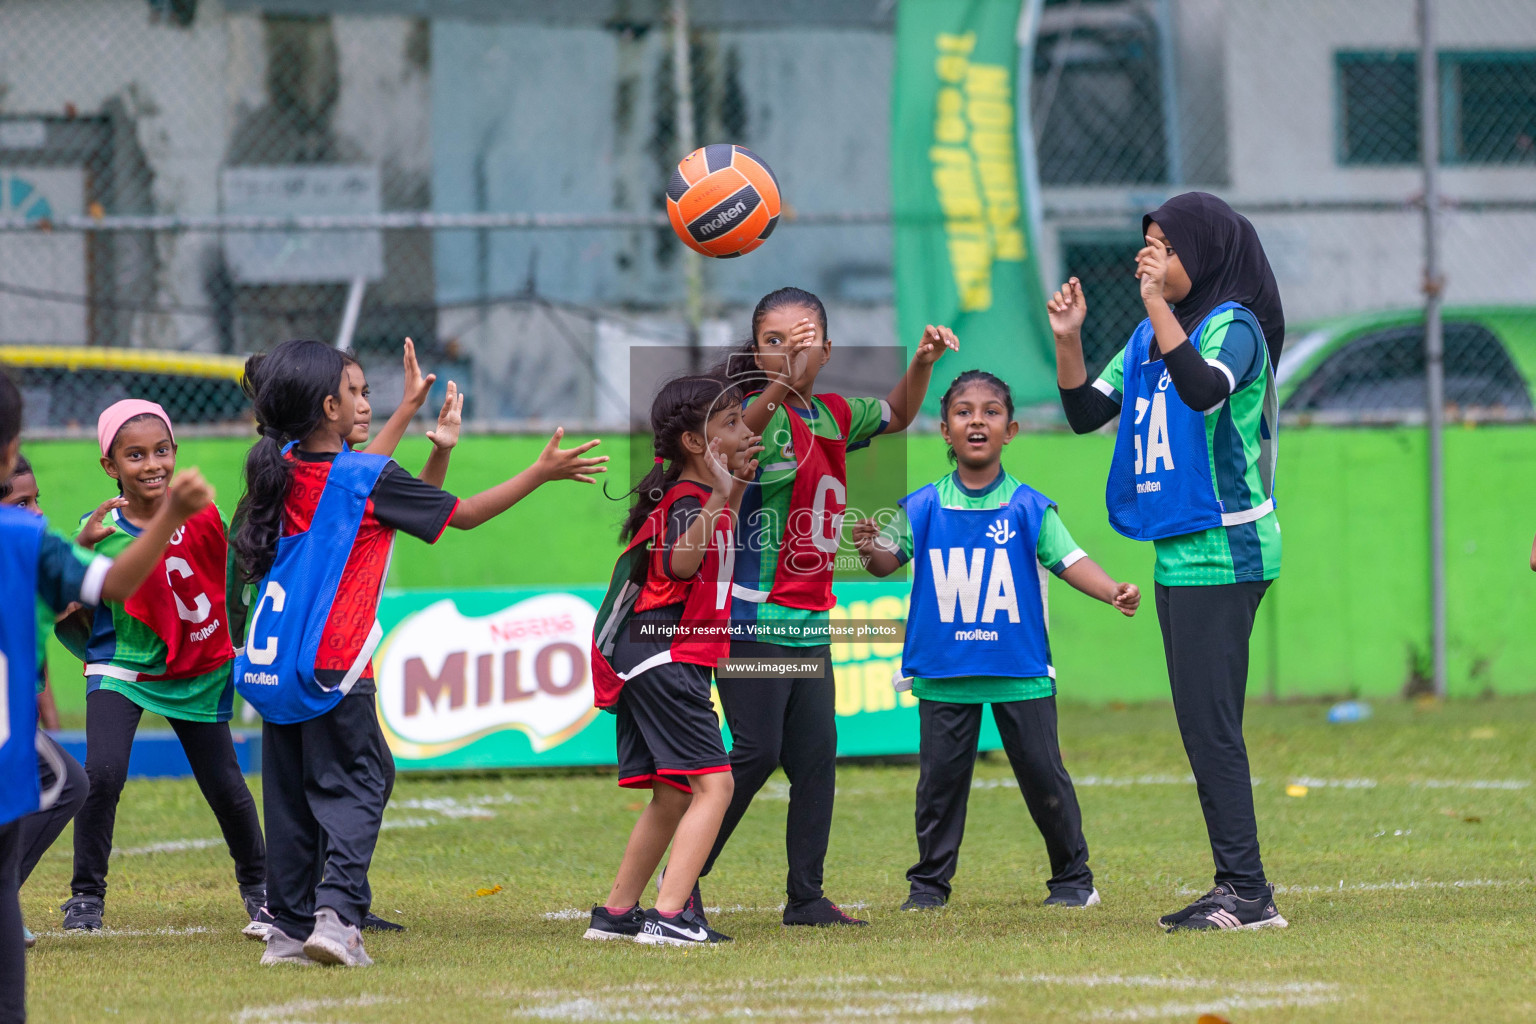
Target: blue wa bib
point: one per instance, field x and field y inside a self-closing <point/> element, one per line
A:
<point x="20" y="536"/>
<point x="978" y="603"/>
<point x="1160" y="479"/>
<point x="275" y="671"/>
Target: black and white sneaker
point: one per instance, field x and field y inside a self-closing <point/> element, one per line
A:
<point x="1073" y="898"/>
<point x="819" y="913"/>
<point x="685" y="929"/>
<point x="1225" y="911"/>
<point x="695" y="898"/>
<point x="1178" y="917"/>
<point x="260" y="926"/>
<point x="83" y="913"/>
<point x="607" y="925"/>
<point x="924" y="901"/>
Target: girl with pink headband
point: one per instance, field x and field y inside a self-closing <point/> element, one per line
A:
<point x="167" y="650"/>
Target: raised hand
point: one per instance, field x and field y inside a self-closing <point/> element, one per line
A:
<point x="189" y="494"/>
<point x="866" y="535"/>
<point x="95" y="529"/>
<point x="1127" y="598"/>
<point x="448" y="420"/>
<point x="1066" y="309"/>
<point x="744" y="465"/>
<point x="936" y="341"/>
<point x="1152" y="269"/>
<point x="416" y="386"/>
<point x="716" y="461"/>
<point x="556" y="463"/>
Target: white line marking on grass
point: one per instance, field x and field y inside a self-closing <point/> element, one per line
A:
<point x="459" y="807"/>
<point x="125" y="933"/>
<point x="812" y="999"/>
<point x="1262" y="995"/>
<point x="451" y="808"/>
<point x="1159" y="1011"/>
<point x="1472" y="784"/>
<point x="1311" y="783"/>
<point x="296" y="1011"/>
<point x="169" y="846"/>
<point x="1469" y="883"/>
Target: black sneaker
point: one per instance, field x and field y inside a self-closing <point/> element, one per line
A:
<point x="1178" y="917"/>
<point x="685" y="929"/>
<point x="374" y="923"/>
<point x="695" y="899"/>
<point x="818" y="914"/>
<point x="1073" y="898"/>
<point x="83" y="913"/>
<point x="925" y="901"/>
<point x="607" y="925"/>
<point x="1228" y="911"/>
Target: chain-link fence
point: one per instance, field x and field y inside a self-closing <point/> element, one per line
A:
<point x="489" y="180"/>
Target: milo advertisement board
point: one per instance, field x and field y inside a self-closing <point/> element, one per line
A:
<point x="499" y="678"/>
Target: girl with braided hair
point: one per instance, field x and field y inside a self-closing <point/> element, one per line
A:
<point x="662" y="627"/>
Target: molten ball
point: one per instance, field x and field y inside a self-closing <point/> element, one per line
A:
<point x="723" y="201"/>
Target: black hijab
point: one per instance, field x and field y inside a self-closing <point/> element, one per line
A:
<point x="1221" y="252"/>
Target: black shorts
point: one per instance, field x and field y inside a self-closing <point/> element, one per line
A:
<point x="667" y="728"/>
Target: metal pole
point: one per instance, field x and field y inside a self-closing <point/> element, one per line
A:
<point x="682" y="82"/>
<point x="1434" y="341"/>
<point x="349" y="314"/>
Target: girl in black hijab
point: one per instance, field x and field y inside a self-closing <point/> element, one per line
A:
<point x="1193" y="472"/>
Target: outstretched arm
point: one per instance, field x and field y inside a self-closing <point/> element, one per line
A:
<point x="416" y="389"/>
<point x="553" y="463"/>
<point x="1085" y="575"/>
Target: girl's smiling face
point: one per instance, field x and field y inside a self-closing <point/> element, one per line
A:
<point x="773" y="344"/>
<point x="142" y="459"/>
<point x="976" y="425"/>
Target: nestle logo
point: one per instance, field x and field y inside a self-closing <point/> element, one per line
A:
<point x="260" y="679"/>
<point x="720" y="221"/>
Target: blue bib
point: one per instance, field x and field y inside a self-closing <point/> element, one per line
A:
<point x="20" y="536"/>
<point x="1160" y="480"/>
<point x="275" y="671"/>
<point x="978" y="604"/>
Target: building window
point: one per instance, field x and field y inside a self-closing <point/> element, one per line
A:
<point x="1488" y="108"/>
<point x="1378" y="108"/>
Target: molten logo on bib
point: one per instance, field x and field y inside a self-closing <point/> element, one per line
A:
<point x="446" y="680"/>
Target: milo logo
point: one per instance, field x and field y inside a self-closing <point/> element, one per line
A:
<point x="446" y="679"/>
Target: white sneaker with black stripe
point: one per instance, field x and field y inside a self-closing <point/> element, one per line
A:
<point x="1223" y="910"/>
<point x="684" y="929"/>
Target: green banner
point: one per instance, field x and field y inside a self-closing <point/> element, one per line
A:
<point x="964" y="255"/>
<point x="499" y="678"/>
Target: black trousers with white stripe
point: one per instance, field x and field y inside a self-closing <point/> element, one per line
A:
<point x="946" y="760"/>
<point x="1205" y="638"/>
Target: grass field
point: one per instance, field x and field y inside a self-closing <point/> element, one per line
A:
<point x="1406" y="871"/>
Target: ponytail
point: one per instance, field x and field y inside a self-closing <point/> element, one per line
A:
<point x="681" y="405"/>
<point x="288" y="388"/>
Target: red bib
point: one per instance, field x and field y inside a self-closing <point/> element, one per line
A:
<point x="703" y="637"/>
<point x="183" y="599"/>
<point x="808" y="552"/>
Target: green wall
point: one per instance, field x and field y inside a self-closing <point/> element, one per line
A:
<point x="1350" y="610"/>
